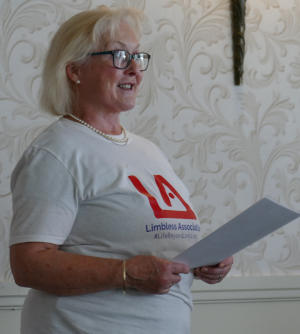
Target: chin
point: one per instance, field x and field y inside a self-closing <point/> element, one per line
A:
<point x="128" y="106"/>
<point x="127" y="109"/>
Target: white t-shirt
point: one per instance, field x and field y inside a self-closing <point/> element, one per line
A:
<point x="91" y="196"/>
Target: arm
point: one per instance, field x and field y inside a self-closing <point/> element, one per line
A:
<point x="43" y="266"/>
<point x="214" y="274"/>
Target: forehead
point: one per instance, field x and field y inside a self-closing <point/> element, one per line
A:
<point x="124" y="37"/>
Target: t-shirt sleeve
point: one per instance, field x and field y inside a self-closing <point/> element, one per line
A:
<point x="44" y="198"/>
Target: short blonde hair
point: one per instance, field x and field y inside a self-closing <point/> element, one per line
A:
<point x="75" y="39"/>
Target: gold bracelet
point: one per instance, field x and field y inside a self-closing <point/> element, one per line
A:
<point x="124" y="276"/>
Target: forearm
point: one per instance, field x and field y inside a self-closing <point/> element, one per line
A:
<point x="63" y="273"/>
<point x="44" y="267"/>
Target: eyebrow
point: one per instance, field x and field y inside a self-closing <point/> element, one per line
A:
<point x="124" y="45"/>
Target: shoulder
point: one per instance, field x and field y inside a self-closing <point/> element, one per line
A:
<point x="57" y="137"/>
<point x="47" y="153"/>
<point x="66" y="141"/>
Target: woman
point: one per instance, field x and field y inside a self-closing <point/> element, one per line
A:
<point x="98" y="211"/>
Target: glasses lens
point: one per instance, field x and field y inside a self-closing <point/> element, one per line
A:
<point x="141" y="60"/>
<point x="121" y="58"/>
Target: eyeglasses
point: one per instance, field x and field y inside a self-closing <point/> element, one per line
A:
<point x="122" y="58"/>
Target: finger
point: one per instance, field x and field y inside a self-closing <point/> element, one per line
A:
<point x="209" y="278"/>
<point x="226" y="262"/>
<point x="215" y="278"/>
<point x="215" y="274"/>
<point x="210" y="281"/>
<point x="215" y="270"/>
<point x="180" y="268"/>
<point x="175" y="279"/>
<point x="164" y="291"/>
<point x="165" y="288"/>
<point x="212" y="273"/>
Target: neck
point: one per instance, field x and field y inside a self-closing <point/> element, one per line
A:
<point x="107" y="122"/>
<point x="109" y="137"/>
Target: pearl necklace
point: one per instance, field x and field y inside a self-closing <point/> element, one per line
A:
<point x="123" y="140"/>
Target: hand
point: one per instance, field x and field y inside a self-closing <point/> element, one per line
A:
<point x="152" y="274"/>
<point x="214" y="274"/>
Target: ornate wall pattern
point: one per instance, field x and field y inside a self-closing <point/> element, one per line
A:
<point x="231" y="145"/>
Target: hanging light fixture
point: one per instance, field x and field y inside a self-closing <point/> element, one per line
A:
<point x="238" y="11"/>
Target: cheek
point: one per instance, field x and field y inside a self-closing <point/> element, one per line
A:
<point x="107" y="84"/>
<point x="113" y="80"/>
<point x="106" y="78"/>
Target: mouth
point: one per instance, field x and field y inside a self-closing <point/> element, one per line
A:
<point x="126" y="86"/>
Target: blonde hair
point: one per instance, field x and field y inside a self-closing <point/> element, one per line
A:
<point x="75" y="39"/>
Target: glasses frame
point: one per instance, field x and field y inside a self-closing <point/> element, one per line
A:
<point x="131" y="56"/>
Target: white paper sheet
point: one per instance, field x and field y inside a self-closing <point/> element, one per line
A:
<point x="259" y="220"/>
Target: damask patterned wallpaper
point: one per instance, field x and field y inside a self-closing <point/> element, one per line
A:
<point x="231" y="145"/>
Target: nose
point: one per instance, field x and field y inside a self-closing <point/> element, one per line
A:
<point x="133" y="68"/>
<point x="133" y="71"/>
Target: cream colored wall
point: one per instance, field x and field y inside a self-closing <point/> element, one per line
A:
<point x="230" y="145"/>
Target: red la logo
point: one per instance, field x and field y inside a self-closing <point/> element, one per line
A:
<point x="162" y="185"/>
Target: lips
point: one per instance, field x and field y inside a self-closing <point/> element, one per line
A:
<point x="127" y="86"/>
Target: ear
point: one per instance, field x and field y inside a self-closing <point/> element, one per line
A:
<point x="72" y="72"/>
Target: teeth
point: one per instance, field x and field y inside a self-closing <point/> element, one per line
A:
<point x="126" y="86"/>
